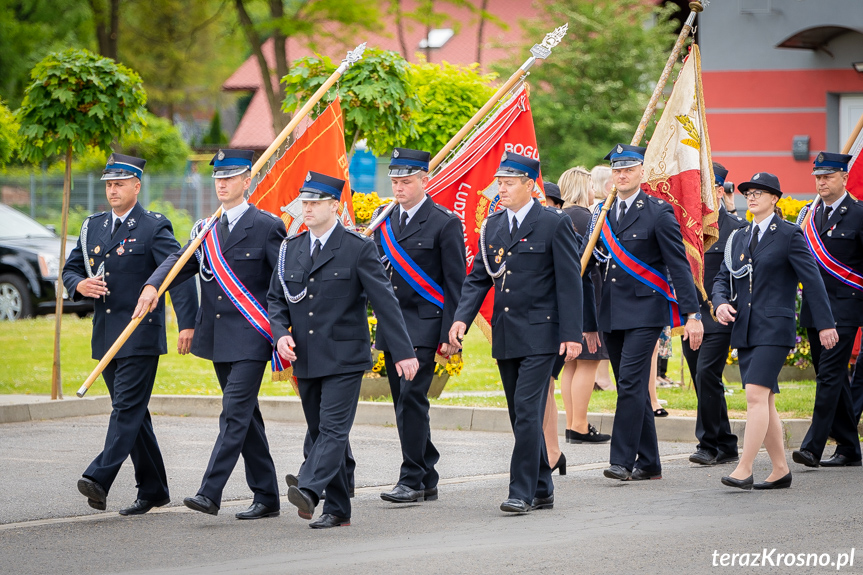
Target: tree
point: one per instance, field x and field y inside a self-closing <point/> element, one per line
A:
<point x="106" y="21"/>
<point x="76" y="99"/>
<point x="591" y="92"/>
<point x="215" y="136"/>
<point x="8" y="135"/>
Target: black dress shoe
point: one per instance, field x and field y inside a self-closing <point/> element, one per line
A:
<point x="328" y="520"/>
<point x="542" y="503"/>
<point x="403" y="494"/>
<point x="141" y="506"/>
<point x="839" y="460"/>
<point x="257" y="511"/>
<point x="304" y="502"/>
<point x="617" y="472"/>
<point x="703" y="457"/>
<point x="806" y="458"/>
<point x="722" y="457"/>
<point x="201" y="503"/>
<point x="592" y="436"/>
<point x="95" y="493"/>
<point x="783" y="482"/>
<point x="429" y="494"/>
<point x="292" y="480"/>
<point x="560" y="465"/>
<point x="514" y="506"/>
<point x="738" y="483"/>
<point x="644" y="475"/>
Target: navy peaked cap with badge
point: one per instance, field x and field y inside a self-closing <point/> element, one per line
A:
<point x="827" y="163"/>
<point x="122" y="167"/>
<point x="406" y="162"/>
<point x="624" y="156"/>
<point x="719" y="174"/>
<point x="229" y="163"/>
<point x="552" y="191"/>
<point x="321" y="187"/>
<point x="516" y="165"/>
<point x="762" y="181"/>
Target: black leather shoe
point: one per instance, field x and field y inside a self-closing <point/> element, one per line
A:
<point x="257" y="511"/>
<point x="429" y="494"/>
<point x="302" y="500"/>
<point x="592" y="436"/>
<point x="805" y="458"/>
<point x="403" y="494"/>
<point x="783" y="482"/>
<point x="644" y="475"/>
<point x="738" y="483"/>
<point x="542" y="503"/>
<point x="95" y="493"/>
<point x="839" y="460"/>
<point x="617" y="472"/>
<point x="292" y="480"/>
<point x="202" y="504"/>
<point x="722" y="457"/>
<point x="328" y="520"/>
<point x="703" y="457"/>
<point x="515" y="506"/>
<point x="141" y="506"/>
<point x="560" y="465"/>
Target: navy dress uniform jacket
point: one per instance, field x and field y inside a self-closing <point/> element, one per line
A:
<point x="538" y="300"/>
<point x="766" y="314"/>
<point x="650" y="232"/>
<point x="330" y="324"/>
<point x="713" y="258"/>
<point x="843" y="239"/>
<point x="147" y="240"/>
<point x="222" y="333"/>
<point x="434" y="239"/>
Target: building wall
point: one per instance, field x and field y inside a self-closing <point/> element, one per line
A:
<point x="759" y="96"/>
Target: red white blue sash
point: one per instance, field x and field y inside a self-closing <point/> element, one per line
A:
<point x="833" y="266"/>
<point x="408" y="268"/>
<point x="239" y="295"/>
<point x="642" y="272"/>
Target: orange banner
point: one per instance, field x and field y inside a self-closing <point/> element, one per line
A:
<point x="321" y="148"/>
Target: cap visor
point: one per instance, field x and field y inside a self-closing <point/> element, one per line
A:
<point x="402" y="172"/>
<point x="229" y="172"/>
<point x="629" y="162"/>
<point x="825" y="171"/>
<point x="117" y="176"/>
<point x="313" y="196"/>
<point x="508" y="173"/>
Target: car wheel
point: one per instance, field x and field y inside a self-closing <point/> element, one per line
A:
<point x="15" y="300"/>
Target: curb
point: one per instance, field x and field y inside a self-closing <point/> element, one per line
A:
<point x="288" y="409"/>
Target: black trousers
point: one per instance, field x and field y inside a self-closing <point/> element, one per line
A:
<point x="330" y="405"/>
<point x="349" y="458"/>
<point x="633" y="437"/>
<point x="833" y="413"/>
<point x="241" y="431"/>
<point x="706" y="364"/>
<point x="857" y="389"/>
<point x="525" y="383"/>
<point x="410" y="400"/>
<point x="130" y="429"/>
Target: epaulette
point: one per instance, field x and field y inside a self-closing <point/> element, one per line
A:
<point x="96" y="215"/>
<point x="496" y="213"/>
<point x="655" y="199"/>
<point x="271" y="214"/>
<point x="156" y="215"/>
<point x="296" y="235"/>
<point x="557" y="211"/>
<point x="358" y="234"/>
<point x="443" y="209"/>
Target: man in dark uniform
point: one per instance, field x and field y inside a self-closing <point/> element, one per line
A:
<point x="632" y="313"/>
<point x="318" y="303"/>
<point x="716" y="443"/>
<point x="838" y="224"/>
<point x="235" y="264"/>
<point x="529" y="255"/>
<point x="420" y="241"/>
<point x="115" y="254"/>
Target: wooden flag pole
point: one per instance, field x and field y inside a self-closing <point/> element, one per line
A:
<point x="352" y="57"/>
<point x="695" y="8"/>
<point x="537" y="52"/>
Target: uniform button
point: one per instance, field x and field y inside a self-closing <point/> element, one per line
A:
<point x="613" y="280"/>
<point x="107" y="274"/>
<point x="248" y="254"/>
<point x="150" y="320"/>
<point x="107" y="256"/>
<point x="109" y="293"/>
<point x="613" y="266"/>
<point x="311" y="313"/>
<point x="219" y="298"/>
<point x="311" y="296"/>
<point x="749" y="304"/>
<point x="311" y="279"/>
<point x="548" y="317"/>
<point x="335" y="274"/>
<point x="218" y="316"/>
<point x="107" y="311"/>
<point x="311" y="331"/>
<point x="509" y="253"/>
<point x="506" y="309"/>
<point x="395" y="287"/>
<point x="507" y="290"/>
<point x="509" y="273"/>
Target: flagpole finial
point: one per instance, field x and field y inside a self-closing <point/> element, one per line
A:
<point x="552" y="39"/>
<point x="355" y="55"/>
<point x="698" y="5"/>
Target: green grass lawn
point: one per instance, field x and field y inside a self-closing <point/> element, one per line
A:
<point x="25" y="367"/>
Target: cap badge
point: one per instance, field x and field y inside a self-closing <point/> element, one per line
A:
<point x="619" y="149"/>
<point x="756" y="176"/>
<point x="395" y="153"/>
<point x="503" y="157"/>
<point x="820" y="157"/>
<point x="309" y="177"/>
<point x="221" y="155"/>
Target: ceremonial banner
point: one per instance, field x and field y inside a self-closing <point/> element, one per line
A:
<point x="321" y="148"/>
<point x="678" y="167"/>
<point x="467" y="186"/>
<point x="855" y="169"/>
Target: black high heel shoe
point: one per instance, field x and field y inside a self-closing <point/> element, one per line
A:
<point x="560" y="465"/>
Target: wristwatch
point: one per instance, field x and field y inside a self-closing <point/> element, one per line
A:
<point x="695" y="316"/>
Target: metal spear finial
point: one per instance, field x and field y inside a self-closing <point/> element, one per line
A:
<point x="355" y="55"/>
<point x="552" y="39"/>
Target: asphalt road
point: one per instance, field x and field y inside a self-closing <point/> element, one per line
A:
<point x="681" y="524"/>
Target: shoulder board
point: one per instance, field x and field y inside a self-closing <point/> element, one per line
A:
<point x="358" y="234"/>
<point x="96" y="215"/>
<point x="156" y="215"/>
<point x="556" y="211"/>
<point x="272" y="215"/>
<point x="443" y="209"/>
<point x="655" y="200"/>
<point x="297" y="235"/>
<point x="496" y="214"/>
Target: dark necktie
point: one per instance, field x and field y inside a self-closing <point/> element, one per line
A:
<point x="223" y="228"/>
<point x="825" y="217"/>
<point x="404" y="221"/>
<point x="117" y="224"/>
<point x="622" y="213"/>
<point x="316" y="250"/>
<point x="514" y="230"/>
<point x="754" y="243"/>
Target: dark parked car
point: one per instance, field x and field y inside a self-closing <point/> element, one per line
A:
<point x="29" y="266"/>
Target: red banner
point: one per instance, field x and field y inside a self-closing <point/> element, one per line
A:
<point x="855" y="169"/>
<point x="467" y="186"/>
<point x="321" y="148"/>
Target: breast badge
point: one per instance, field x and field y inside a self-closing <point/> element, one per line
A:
<point x="499" y="256"/>
<point x="97" y="249"/>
